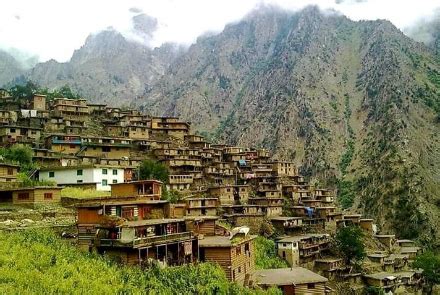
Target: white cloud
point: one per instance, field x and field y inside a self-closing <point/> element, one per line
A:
<point x="54" y="28"/>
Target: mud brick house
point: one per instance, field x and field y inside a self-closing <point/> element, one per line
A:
<point x="180" y="182"/>
<point x="324" y="195"/>
<point x="105" y="147"/>
<point x="62" y="143"/>
<point x="170" y="126"/>
<point x="285" y="168"/>
<point x="234" y="255"/>
<point x="8" y="117"/>
<point x="137" y="132"/>
<point x="50" y="158"/>
<point x="290" y="281"/>
<point x="10" y="134"/>
<point x="310" y="245"/>
<point x="8" y="172"/>
<point x="196" y="141"/>
<point x="203" y="225"/>
<point x="100" y="176"/>
<point x="31" y="195"/>
<point x="386" y="240"/>
<point x="96" y="109"/>
<point x="147" y="189"/>
<point x="71" y="108"/>
<point x="201" y="206"/>
<point x="287" y="225"/>
<point x="288" y="249"/>
<point x="328" y="266"/>
<point x="39" y="102"/>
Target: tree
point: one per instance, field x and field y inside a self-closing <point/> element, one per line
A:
<point x="18" y="154"/>
<point x="150" y="169"/>
<point x="430" y="263"/>
<point x="349" y="241"/>
<point x="25" y="91"/>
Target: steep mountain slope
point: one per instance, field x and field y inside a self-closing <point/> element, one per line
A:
<point x="9" y="68"/>
<point x="356" y="103"/>
<point x="108" y="68"/>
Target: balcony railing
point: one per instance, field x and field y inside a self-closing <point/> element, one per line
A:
<point x="139" y="242"/>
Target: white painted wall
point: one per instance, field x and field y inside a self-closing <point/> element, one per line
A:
<point x="69" y="176"/>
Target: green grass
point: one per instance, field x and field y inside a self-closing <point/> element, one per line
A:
<point x="38" y="262"/>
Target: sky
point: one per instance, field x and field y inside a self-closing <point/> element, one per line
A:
<point x="53" y="29"/>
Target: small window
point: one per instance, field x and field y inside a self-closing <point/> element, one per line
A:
<point x="79" y="172"/>
<point x="238" y="250"/>
<point x="23" y="196"/>
<point x="239" y="269"/>
<point x="12" y="130"/>
<point x="104" y="171"/>
<point x="311" y="286"/>
<point x="115" y="172"/>
<point x="10" y="171"/>
<point x="79" y="181"/>
<point x="51" y="174"/>
<point x="48" y="196"/>
<point x="284" y="254"/>
<point x="104" y="182"/>
<point x="115" y="181"/>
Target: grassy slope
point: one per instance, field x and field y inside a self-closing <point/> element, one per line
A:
<point x="34" y="262"/>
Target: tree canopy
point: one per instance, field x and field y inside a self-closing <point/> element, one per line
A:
<point x="150" y="169"/>
<point x="430" y="263"/>
<point x="349" y="241"/>
<point x="18" y="154"/>
<point x="29" y="89"/>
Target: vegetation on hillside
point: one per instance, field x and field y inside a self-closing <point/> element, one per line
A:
<point x="37" y="262"/>
<point x="430" y="263"/>
<point x="27" y="90"/>
<point x="150" y="169"/>
<point x="75" y="192"/>
<point x="266" y="256"/>
<point x="350" y="244"/>
<point x="19" y="155"/>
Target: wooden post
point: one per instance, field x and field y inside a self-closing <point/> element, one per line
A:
<point x="166" y="254"/>
<point x="139" y="257"/>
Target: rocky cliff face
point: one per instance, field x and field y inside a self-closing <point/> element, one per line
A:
<point x="10" y="68"/>
<point x="355" y="103"/>
<point x="108" y="68"/>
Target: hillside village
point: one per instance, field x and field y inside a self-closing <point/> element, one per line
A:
<point x="226" y="197"/>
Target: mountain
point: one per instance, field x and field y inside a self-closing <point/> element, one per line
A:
<point x="109" y="68"/>
<point x="10" y="68"/>
<point x="356" y="103"/>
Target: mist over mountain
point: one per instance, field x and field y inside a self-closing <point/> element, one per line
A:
<point x="355" y="104"/>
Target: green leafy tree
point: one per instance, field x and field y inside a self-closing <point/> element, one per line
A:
<point x="172" y="196"/>
<point x="25" y="91"/>
<point x="266" y="256"/>
<point x="21" y="155"/>
<point x="430" y="263"/>
<point x="349" y="241"/>
<point x="150" y="169"/>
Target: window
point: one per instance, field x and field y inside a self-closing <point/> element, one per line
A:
<point x="239" y="269"/>
<point x="48" y="196"/>
<point x="79" y="181"/>
<point x="51" y="174"/>
<point x="104" y="171"/>
<point x="79" y="172"/>
<point x="10" y="171"/>
<point x="310" y="286"/>
<point x="106" y="149"/>
<point x="246" y="247"/>
<point x="115" y="172"/>
<point x="238" y="250"/>
<point x="104" y="182"/>
<point x="115" y="181"/>
<point x="284" y="254"/>
<point x="12" y="130"/>
<point x="23" y="196"/>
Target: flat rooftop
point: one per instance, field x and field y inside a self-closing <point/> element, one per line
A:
<point x="287" y="276"/>
<point x="223" y="241"/>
